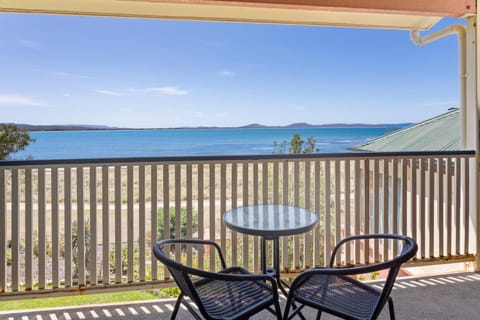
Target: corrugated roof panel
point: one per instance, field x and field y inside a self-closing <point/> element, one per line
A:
<point x="435" y="134"/>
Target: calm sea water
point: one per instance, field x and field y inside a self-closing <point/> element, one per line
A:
<point x="184" y="142"/>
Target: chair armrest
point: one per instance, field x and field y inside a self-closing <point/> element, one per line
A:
<point x="196" y="242"/>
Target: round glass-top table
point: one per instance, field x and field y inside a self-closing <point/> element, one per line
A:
<point x="270" y="222"/>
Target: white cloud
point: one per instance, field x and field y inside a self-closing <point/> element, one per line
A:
<point x="152" y="91"/>
<point x="31" y="44"/>
<point x="226" y="73"/>
<point x="109" y="92"/>
<point x="9" y="100"/>
<point x="169" y="91"/>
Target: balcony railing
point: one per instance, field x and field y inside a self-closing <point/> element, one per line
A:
<point x="88" y="225"/>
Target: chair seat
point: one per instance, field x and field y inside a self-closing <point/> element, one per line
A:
<point x="233" y="299"/>
<point x="339" y="295"/>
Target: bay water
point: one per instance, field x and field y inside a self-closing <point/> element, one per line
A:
<point x="185" y="142"/>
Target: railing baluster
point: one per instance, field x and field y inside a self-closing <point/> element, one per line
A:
<point x="201" y="212"/>
<point x="385" y="209"/>
<point x="285" y="240"/>
<point x="141" y="223"/>
<point x="307" y="240"/>
<point x="404" y="195"/>
<point x="366" y="208"/>
<point x="67" y="172"/>
<point x="28" y="230"/>
<point x="256" y="245"/>
<point x="296" y="202"/>
<point x="395" y="202"/>
<point x="413" y="207"/>
<point x="42" y="234"/>
<point x="105" y="226"/>
<point x="245" y="254"/>
<point x="358" y="194"/>
<point x="178" y="209"/>
<point x="458" y="203"/>
<point x="440" y="207"/>
<point x="431" y="206"/>
<point x="80" y="228"/>
<point x="118" y="224"/>
<point x="449" y="211"/>
<point x="265" y="201"/>
<point x="55" y="229"/>
<point x="130" y="224"/>
<point x="376" y="208"/>
<point x="466" y="205"/>
<point x="190" y="212"/>
<point x="348" y="255"/>
<point x="276" y="174"/>
<point x="338" y="220"/>
<point x="234" y="206"/>
<point x="3" y="234"/>
<point x="166" y="211"/>
<point x="15" y="244"/>
<point x="212" y="212"/>
<point x="328" y="213"/>
<point x="154" y="216"/>
<point x="422" y="210"/>
<point x="93" y="225"/>
<point x="223" y="205"/>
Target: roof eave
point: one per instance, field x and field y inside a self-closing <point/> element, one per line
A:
<point x="406" y="14"/>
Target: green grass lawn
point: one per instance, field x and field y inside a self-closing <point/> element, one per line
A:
<point x="79" y="300"/>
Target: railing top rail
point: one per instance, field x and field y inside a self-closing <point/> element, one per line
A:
<point x="272" y="157"/>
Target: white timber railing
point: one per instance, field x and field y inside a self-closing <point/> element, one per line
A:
<point x="70" y="226"/>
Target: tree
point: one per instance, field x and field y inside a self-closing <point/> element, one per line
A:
<point x="297" y="145"/>
<point x="12" y="139"/>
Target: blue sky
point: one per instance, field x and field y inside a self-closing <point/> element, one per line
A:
<point x="154" y="73"/>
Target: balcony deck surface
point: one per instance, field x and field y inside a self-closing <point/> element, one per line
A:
<point x="448" y="296"/>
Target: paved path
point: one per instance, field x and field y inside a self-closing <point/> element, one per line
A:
<point x="441" y="297"/>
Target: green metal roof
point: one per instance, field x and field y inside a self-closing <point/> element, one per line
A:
<point x="440" y="133"/>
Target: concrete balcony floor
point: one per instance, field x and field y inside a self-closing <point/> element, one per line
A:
<point x="447" y="296"/>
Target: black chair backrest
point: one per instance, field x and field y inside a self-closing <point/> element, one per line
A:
<point x="182" y="274"/>
<point x="176" y="269"/>
<point x="408" y="251"/>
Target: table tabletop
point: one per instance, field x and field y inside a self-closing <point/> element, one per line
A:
<point x="270" y="221"/>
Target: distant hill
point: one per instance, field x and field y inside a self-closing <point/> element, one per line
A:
<point x="254" y="126"/>
<point x="298" y="125"/>
<point x="65" y="127"/>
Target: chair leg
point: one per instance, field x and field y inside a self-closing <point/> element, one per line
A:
<point x="391" y="308"/>
<point x="287" y="308"/>
<point x="278" y="311"/>
<point x="319" y="314"/>
<point x="177" y="306"/>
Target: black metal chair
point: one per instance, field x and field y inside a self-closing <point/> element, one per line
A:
<point x="231" y="293"/>
<point x="334" y="290"/>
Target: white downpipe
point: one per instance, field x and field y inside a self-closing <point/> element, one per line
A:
<point x="460" y="31"/>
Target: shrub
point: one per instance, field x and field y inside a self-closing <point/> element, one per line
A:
<point x="172" y="219"/>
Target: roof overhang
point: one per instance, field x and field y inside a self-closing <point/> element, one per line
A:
<point x="387" y="14"/>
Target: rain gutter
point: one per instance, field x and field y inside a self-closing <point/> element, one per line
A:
<point x="461" y="33"/>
